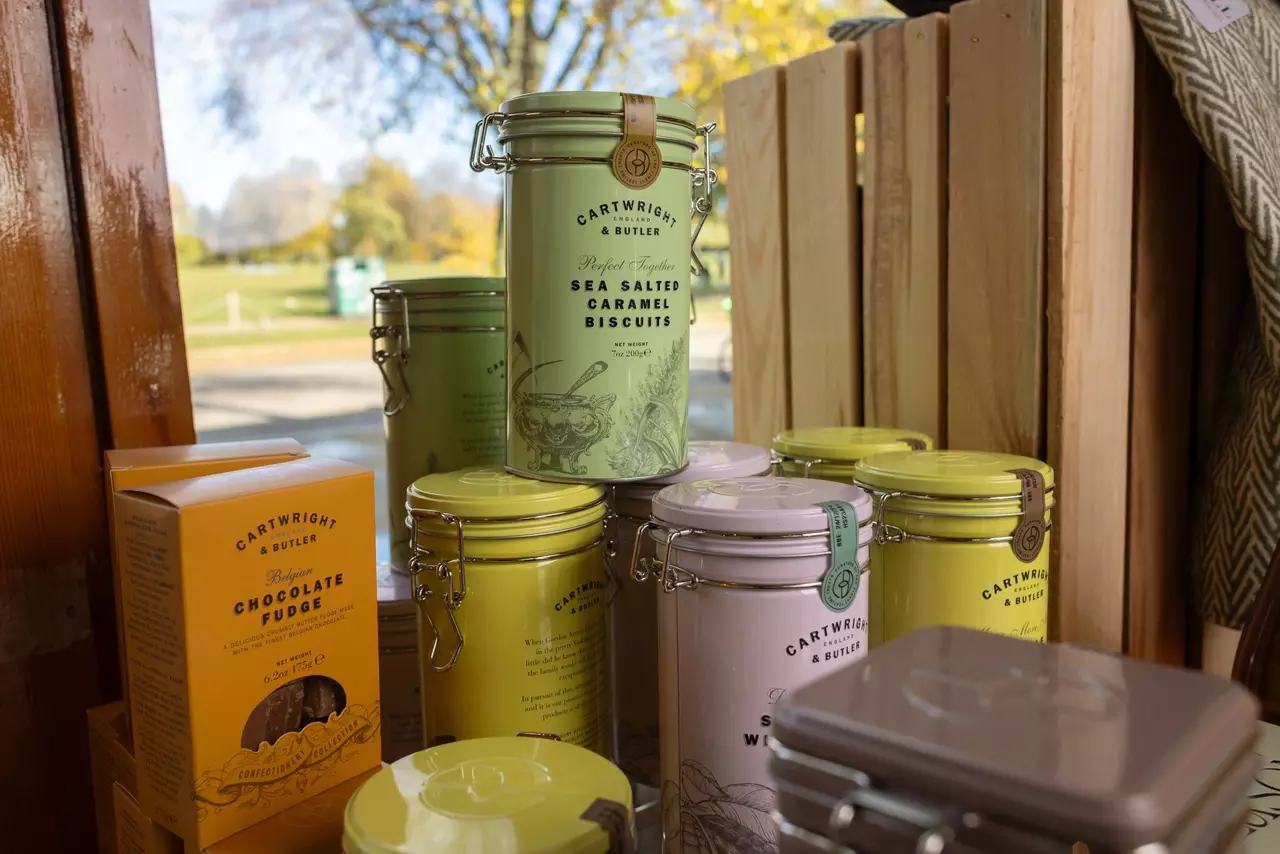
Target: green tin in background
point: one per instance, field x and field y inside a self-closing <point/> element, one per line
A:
<point x="599" y="201"/>
<point x="440" y="346"/>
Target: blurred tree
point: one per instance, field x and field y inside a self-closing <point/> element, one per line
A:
<point x="184" y="218"/>
<point x="468" y="243"/>
<point x="272" y="210"/>
<point x="367" y="224"/>
<point x="190" y="249"/>
<point x="474" y="53"/>
<point x="389" y="62"/>
<point x="722" y="41"/>
<point x="315" y="244"/>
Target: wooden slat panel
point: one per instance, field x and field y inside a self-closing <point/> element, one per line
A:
<point x="52" y="530"/>
<point x="1166" y="214"/>
<point x="995" y="361"/>
<point x="755" y="157"/>
<point x="1090" y="228"/>
<point x="904" y="99"/>
<point x="127" y="229"/>
<point x="129" y="226"/>
<point x="823" y="239"/>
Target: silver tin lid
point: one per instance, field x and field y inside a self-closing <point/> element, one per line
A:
<point x="1059" y="741"/>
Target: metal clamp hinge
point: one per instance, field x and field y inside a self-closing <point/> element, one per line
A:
<point x="704" y="183"/>
<point x="482" y="156"/>
<point x="455" y="584"/>
<point x="884" y="532"/>
<point x="397" y="354"/>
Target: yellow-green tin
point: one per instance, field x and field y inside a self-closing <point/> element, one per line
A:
<point x="509" y="795"/>
<point x="599" y="259"/>
<point x="441" y="348"/>
<point x="509" y="576"/>
<point x="962" y="539"/>
<point x="830" y="453"/>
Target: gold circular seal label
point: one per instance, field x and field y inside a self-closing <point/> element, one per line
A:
<point x="1028" y="537"/>
<point x="1027" y="540"/>
<point x="637" y="163"/>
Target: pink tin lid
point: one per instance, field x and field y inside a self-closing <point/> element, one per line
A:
<point x="708" y="459"/>
<point x="755" y="505"/>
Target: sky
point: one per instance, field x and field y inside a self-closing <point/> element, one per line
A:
<point x="204" y="159"/>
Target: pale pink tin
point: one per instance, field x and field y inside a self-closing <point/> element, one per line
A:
<point x="741" y="621"/>
<point x="634" y="613"/>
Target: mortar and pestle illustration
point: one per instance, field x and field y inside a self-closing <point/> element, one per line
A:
<point x="559" y="427"/>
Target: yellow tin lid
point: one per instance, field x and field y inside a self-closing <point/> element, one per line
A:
<point x="491" y="493"/>
<point x="847" y="444"/>
<point x="519" y="795"/>
<point x="959" y="474"/>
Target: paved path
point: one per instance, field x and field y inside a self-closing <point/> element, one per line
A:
<point x="334" y="407"/>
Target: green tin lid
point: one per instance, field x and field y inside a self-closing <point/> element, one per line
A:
<point x="445" y="302"/>
<point x="444" y="285"/>
<point x="668" y="108"/>
<point x="517" y="795"/>
<point x="847" y="444"/>
<point x="952" y="474"/>
<point x="488" y="492"/>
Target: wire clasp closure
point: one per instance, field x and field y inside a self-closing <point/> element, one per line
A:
<point x="664" y="571"/>
<point x="455" y="584"/>
<point x="396" y="353"/>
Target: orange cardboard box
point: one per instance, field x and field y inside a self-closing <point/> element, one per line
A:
<point x="134" y="832"/>
<point x="111" y="762"/>
<point x="311" y="827"/>
<point x="251" y="604"/>
<point x="126" y="468"/>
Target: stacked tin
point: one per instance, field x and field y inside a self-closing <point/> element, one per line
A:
<point x="634" y="615"/>
<point x="955" y="740"/>
<point x="584" y="579"/>
<point x="498" y="494"/>
<point x="440" y="348"/>
<point x="762" y="589"/>
<point x="492" y="794"/>
<point x="962" y="539"/>
<point x="831" y="453"/>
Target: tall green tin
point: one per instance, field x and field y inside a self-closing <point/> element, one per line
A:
<point x="440" y="346"/>
<point x="599" y="203"/>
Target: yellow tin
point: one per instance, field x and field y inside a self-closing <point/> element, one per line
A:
<point x="510" y="795"/>
<point x="830" y="453"/>
<point x="962" y="539"/>
<point x="510" y="581"/>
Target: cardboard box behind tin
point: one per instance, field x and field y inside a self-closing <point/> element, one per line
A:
<point x="111" y="761"/>
<point x="250" y="603"/>
<point x="126" y="468"/>
<point x="311" y="827"/>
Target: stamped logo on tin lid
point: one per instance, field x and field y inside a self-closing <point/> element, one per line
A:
<point x="707" y="451"/>
<point x="1066" y="691"/>
<point x="959" y="458"/>
<point x="759" y="486"/>
<point x="494" y="786"/>
<point x="490" y="477"/>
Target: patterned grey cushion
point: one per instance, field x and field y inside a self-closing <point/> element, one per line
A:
<point x="852" y="29"/>
<point x="1228" y="84"/>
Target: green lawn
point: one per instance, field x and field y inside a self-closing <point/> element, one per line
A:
<point x="288" y="304"/>
<point x="283" y="291"/>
